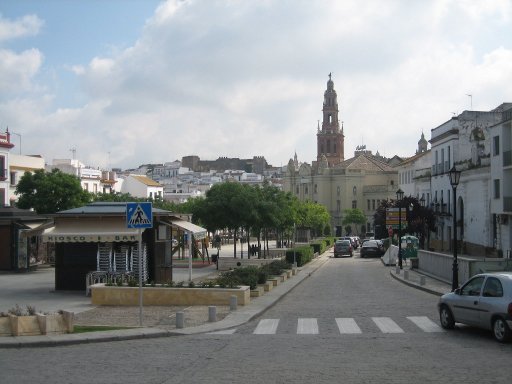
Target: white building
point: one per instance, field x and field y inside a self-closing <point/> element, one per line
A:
<point x="91" y="179"/>
<point x="5" y="147"/>
<point x="501" y="183"/>
<point x="18" y="165"/>
<point x="142" y="186"/>
<point x="463" y="141"/>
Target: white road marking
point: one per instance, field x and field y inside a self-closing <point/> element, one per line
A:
<point x="425" y="324"/>
<point x="266" y="327"/>
<point x="347" y="325"/>
<point x="386" y="325"/>
<point x="307" y="327"/>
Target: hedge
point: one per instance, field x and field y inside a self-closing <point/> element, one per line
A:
<point x="302" y="254"/>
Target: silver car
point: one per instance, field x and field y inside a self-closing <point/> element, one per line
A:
<point x="484" y="301"/>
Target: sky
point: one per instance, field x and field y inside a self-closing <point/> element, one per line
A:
<point x="120" y="83"/>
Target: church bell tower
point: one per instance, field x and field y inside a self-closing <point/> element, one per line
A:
<point x="330" y="138"/>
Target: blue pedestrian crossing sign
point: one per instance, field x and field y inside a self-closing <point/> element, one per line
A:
<point x="139" y="215"/>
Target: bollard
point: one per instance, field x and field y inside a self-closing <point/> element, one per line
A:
<point x="180" y="320"/>
<point x="212" y="313"/>
<point x="397" y="270"/>
<point x="233" y="303"/>
<point x="406" y="275"/>
<point x="422" y="280"/>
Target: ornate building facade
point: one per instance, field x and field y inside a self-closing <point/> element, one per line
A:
<point x="359" y="182"/>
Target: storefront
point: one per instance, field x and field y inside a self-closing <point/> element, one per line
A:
<point x="96" y="238"/>
<point x="20" y="248"/>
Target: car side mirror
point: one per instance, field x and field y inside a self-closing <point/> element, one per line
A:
<point x="457" y="291"/>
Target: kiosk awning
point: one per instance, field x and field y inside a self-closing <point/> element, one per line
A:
<point x="198" y="232"/>
<point x="96" y="231"/>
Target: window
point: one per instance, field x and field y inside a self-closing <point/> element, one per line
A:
<point x="86" y="186"/>
<point x="316" y="188"/>
<point x="449" y="158"/>
<point x="13" y="178"/>
<point x="373" y="205"/>
<point x="368" y="204"/>
<point x="496" y="145"/>
<point x="2" y="168"/>
<point x="493" y="288"/>
<point x="472" y="287"/>
<point x="297" y="190"/>
<point x="338" y="206"/>
<point x="305" y="189"/>
<point x="354" y="204"/>
<point x="496" y="188"/>
<point x="338" y="191"/>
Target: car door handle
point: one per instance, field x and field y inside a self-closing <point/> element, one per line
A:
<point x="475" y="302"/>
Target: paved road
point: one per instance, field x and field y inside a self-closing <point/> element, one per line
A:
<point x="389" y="334"/>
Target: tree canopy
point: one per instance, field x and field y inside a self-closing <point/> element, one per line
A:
<point x="50" y="192"/>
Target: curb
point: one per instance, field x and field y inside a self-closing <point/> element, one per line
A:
<point x="415" y="285"/>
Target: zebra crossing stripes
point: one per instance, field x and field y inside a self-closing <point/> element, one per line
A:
<point x="307" y="327"/>
<point x="266" y="327"/>
<point x="387" y="325"/>
<point x="347" y="325"/>
<point x="425" y="324"/>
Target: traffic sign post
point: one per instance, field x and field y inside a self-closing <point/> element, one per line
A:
<point x="140" y="216"/>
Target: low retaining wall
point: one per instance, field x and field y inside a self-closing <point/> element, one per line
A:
<point x="439" y="265"/>
<point x="129" y="296"/>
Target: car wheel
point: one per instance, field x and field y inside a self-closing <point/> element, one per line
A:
<point x="500" y="330"/>
<point x="446" y="318"/>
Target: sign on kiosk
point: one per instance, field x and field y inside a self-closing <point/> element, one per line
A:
<point x="139" y="215"/>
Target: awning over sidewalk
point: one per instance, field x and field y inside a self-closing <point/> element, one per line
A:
<point x="198" y="232"/>
<point x="97" y="231"/>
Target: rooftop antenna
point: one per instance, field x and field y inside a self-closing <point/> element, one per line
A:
<point x="73" y="151"/>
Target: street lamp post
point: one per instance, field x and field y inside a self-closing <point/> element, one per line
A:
<point x="454" y="181"/>
<point x="422" y="204"/>
<point x="399" y="197"/>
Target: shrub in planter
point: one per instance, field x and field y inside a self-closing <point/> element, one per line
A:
<point x="302" y="255"/>
<point x="276" y="267"/>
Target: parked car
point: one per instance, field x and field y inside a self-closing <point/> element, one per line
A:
<point x="484" y="301"/>
<point x="371" y="248"/>
<point x="343" y="248"/>
<point x="351" y="239"/>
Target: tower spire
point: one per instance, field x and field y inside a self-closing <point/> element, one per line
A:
<point x="330" y="138"/>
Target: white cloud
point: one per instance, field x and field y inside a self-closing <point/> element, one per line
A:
<point x="229" y="78"/>
<point x="17" y="70"/>
<point x="28" y="25"/>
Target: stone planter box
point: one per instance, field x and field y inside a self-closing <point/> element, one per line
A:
<point x="38" y="324"/>
<point x="289" y="273"/>
<point x="275" y="280"/>
<point x="5" y="326"/>
<point x="267" y="286"/>
<point x="258" y="291"/>
<point x="129" y="296"/>
<point x="295" y="271"/>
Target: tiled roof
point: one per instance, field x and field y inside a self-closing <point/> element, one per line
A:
<point x="146" y="180"/>
<point x="367" y="163"/>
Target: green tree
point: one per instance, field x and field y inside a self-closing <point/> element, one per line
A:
<point x="354" y="216"/>
<point x="50" y="192"/>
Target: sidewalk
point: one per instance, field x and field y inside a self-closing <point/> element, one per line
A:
<point x="198" y="315"/>
<point x="416" y="279"/>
